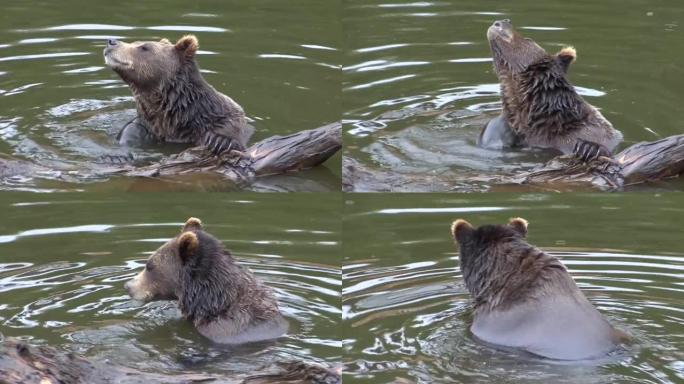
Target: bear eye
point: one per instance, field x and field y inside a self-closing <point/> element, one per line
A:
<point x="149" y="267"/>
<point x="144" y="48"/>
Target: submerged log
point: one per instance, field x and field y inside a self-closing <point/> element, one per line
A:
<point x="271" y="156"/>
<point x="639" y="163"/>
<point x="358" y="178"/>
<point x="21" y="363"/>
<point x="12" y="168"/>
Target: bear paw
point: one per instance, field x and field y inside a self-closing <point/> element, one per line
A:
<point x="218" y="144"/>
<point x="588" y="151"/>
<point x="116" y="159"/>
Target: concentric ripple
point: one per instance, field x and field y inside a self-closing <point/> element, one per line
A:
<point x="62" y="107"/>
<point x="61" y="283"/>
<point x="419" y="86"/>
<point x="406" y="311"/>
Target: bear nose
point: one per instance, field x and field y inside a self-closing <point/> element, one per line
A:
<point x="112" y="42"/>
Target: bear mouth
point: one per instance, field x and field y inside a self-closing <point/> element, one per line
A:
<point x="112" y="62"/>
<point x="494" y="33"/>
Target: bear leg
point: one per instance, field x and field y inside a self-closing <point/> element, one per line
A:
<point x="135" y="134"/>
<point x="497" y="134"/>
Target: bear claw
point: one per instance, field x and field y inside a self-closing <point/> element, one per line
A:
<point x="116" y="159"/>
<point x="219" y="144"/>
<point x="588" y="151"/>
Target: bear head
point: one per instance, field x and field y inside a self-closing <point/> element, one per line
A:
<point x="478" y="247"/>
<point x="163" y="276"/>
<point x="512" y="53"/>
<point x="145" y="65"/>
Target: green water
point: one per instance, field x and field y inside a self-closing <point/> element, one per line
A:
<point x="406" y="311"/>
<point x="418" y="84"/>
<point x="62" y="106"/>
<point x="367" y="280"/>
<point x="65" y="258"/>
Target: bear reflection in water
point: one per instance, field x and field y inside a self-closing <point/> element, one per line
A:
<point x="525" y="298"/>
<point x="224" y="300"/>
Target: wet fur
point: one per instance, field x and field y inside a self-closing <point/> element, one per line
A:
<point x="174" y="102"/>
<point x="525" y="298"/>
<point x="539" y="103"/>
<point x="501" y="270"/>
<point x="224" y="300"/>
<point x="215" y="288"/>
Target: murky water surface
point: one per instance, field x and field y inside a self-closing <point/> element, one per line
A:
<point x="418" y="82"/>
<point x="64" y="260"/>
<point x="407" y="312"/>
<point x="61" y="107"/>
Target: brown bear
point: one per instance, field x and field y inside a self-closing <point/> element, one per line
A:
<point x="525" y="298"/>
<point x="224" y="300"/>
<point x="540" y="106"/>
<point x="174" y="103"/>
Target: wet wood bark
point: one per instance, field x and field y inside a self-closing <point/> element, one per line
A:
<point x="22" y="363"/>
<point x="271" y="156"/>
<point x="640" y="163"/>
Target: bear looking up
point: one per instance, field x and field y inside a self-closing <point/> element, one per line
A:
<point x="540" y="106"/>
<point x="173" y="101"/>
<point x="525" y="298"/>
<point x="224" y="300"/>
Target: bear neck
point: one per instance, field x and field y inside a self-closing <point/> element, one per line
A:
<point x="475" y="266"/>
<point x="173" y="109"/>
<point x="212" y="287"/>
<point x="549" y="106"/>
<point x="512" y="58"/>
<point x="511" y="272"/>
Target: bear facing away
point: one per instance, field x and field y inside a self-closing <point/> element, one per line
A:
<point x="174" y="103"/>
<point x="540" y="106"/>
<point x="224" y="300"/>
<point x="525" y="298"/>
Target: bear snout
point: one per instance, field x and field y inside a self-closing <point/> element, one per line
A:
<point x="500" y="29"/>
<point x="133" y="289"/>
<point x="505" y="23"/>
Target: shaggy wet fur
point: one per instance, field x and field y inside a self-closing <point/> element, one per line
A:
<point x="224" y="300"/>
<point x="540" y="104"/>
<point x="524" y="298"/>
<point x="174" y="102"/>
<point x="214" y="287"/>
<point x="501" y="269"/>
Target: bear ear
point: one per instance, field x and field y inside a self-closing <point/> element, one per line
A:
<point x="192" y="224"/>
<point x="187" y="45"/>
<point x="566" y="56"/>
<point x="187" y="246"/>
<point x="165" y="41"/>
<point x="519" y="224"/>
<point x="460" y="229"/>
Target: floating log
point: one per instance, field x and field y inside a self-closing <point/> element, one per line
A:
<point x="12" y="167"/>
<point x="639" y="163"/>
<point x="22" y="363"/>
<point x="271" y="156"/>
<point x="358" y="178"/>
